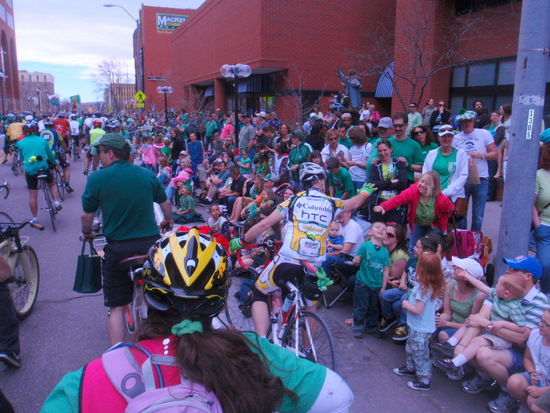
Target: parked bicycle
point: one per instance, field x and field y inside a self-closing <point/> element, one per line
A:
<point x="23" y="262"/>
<point x="292" y="326"/>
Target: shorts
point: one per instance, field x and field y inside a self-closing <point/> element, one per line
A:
<point x="61" y="160"/>
<point x="543" y="402"/>
<point x="32" y="180"/>
<point x="117" y="285"/>
<point x="497" y="342"/>
<point x="516" y="366"/>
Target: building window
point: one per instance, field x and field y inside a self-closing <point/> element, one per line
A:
<point x="468" y="6"/>
<point x="506" y="72"/>
<point x="459" y="76"/>
<point x="482" y="75"/>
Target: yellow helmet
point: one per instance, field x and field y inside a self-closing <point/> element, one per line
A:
<point x="187" y="273"/>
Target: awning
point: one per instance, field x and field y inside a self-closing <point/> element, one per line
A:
<point x="384" y="88"/>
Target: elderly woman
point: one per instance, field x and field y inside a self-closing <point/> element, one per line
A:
<point x="334" y="149"/>
<point x="541" y="217"/>
<point x="450" y="163"/>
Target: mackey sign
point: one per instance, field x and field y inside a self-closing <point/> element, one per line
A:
<point x="169" y="21"/>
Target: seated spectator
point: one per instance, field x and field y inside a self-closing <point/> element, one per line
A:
<point x="252" y="191"/>
<point x="316" y="157"/>
<point x="227" y="196"/>
<point x="216" y="180"/>
<point x="245" y="164"/>
<point x="335" y="242"/>
<point x="186" y="213"/>
<point x="339" y="180"/>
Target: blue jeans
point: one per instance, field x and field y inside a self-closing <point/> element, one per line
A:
<point x="170" y="192"/>
<point x="479" y="199"/>
<point x="542" y="239"/>
<point x="418" y="232"/>
<point x="366" y="307"/>
<point x="9" y="324"/>
<point x="339" y="262"/>
<point x="392" y="303"/>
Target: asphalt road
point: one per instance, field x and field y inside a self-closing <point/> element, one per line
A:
<point x="66" y="330"/>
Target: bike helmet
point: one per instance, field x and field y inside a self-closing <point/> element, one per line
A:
<point x="111" y="125"/>
<point x="187" y="272"/>
<point x="48" y="122"/>
<point x="30" y="128"/>
<point x="28" y="118"/>
<point x="310" y="171"/>
<point x="97" y="122"/>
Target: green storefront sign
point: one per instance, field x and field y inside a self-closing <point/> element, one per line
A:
<point x="169" y="21"/>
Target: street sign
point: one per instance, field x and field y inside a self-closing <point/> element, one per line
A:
<point x="140" y="96"/>
<point x="140" y="105"/>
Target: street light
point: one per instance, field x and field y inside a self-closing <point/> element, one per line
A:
<point x="236" y="72"/>
<point x="165" y="90"/>
<point x="2" y="77"/>
<point x="139" y="78"/>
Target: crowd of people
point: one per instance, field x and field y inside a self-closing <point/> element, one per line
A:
<point x="342" y="190"/>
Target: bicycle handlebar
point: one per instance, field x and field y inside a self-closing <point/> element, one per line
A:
<point x="268" y="243"/>
<point x="8" y="227"/>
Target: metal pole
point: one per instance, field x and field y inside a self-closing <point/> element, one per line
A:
<point x="165" y="107"/>
<point x="236" y="109"/>
<point x="39" y="103"/>
<point x="527" y="108"/>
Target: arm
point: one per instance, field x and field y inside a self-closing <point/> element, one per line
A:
<point x="491" y="155"/>
<point x="397" y="269"/>
<point x="263" y="225"/>
<point x="480" y="285"/>
<point x="167" y="222"/>
<point x="86" y="220"/>
<point x="509" y="325"/>
<point x="385" y="277"/>
<point x="417" y="309"/>
<point x="535" y="216"/>
<point x="357" y="260"/>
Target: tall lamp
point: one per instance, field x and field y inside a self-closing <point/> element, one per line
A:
<point x="236" y="72"/>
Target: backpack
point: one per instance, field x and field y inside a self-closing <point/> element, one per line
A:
<point x="137" y="384"/>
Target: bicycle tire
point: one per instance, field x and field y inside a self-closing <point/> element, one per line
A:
<point x="5" y="218"/>
<point x="136" y="311"/>
<point x="24" y="288"/>
<point x="323" y="349"/>
<point x="15" y="164"/>
<point x="60" y="184"/>
<point x="238" y="315"/>
<point x="49" y="204"/>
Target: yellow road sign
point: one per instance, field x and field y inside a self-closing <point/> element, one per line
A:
<point x="140" y="96"/>
<point x="140" y="105"/>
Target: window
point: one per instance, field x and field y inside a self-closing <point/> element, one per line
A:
<point x="459" y="76"/>
<point x="482" y="74"/>
<point x="506" y="72"/>
<point x="467" y="6"/>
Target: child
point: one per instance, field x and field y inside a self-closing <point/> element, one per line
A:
<point x="374" y="270"/>
<point x="268" y="199"/>
<point x="166" y="150"/>
<point x="245" y="164"/>
<point x="165" y="172"/>
<point x="335" y="241"/>
<point x="186" y="213"/>
<point x="339" y="180"/>
<point x="503" y="308"/>
<point x="421" y="320"/>
<point x="217" y="223"/>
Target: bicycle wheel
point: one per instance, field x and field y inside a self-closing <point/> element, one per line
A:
<point x="24" y="288"/>
<point x="49" y="206"/>
<point x="60" y="184"/>
<point x="238" y="314"/>
<point x="315" y="341"/>
<point x="136" y="311"/>
<point x="15" y="164"/>
<point x="5" y="218"/>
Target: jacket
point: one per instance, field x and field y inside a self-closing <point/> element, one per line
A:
<point x="455" y="188"/>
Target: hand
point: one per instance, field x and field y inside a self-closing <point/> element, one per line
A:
<point x="475" y="320"/>
<point x="401" y="159"/>
<point x="496" y="326"/>
<point x="394" y="283"/>
<point x="375" y="161"/>
<point x="166" y="225"/>
<point x="535" y="391"/>
<point x="379" y="209"/>
<point x="367" y="189"/>
<point x="87" y="237"/>
<point x="402" y="286"/>
<point x="440" y="322"/>
<point x="476" y="155"/>
<point x="235" y="244"/>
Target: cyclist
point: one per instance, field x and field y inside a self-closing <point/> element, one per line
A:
<point x="58" y="146"/>
<point x="62" y="126"/>
<point x="308" y="216"/>
<point x="35" y="152"/>
<point x="75" y="133"/>
<point x="14" y="132"/>
<point x="244" y="371"/>
<point x="95" y="134"/>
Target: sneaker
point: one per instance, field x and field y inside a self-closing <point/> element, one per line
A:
<point x="386" y="324"/>
<point x="447" y="366"/>
<point x="459" y="375"/>
<point x="442" y="350"/>
<point x="58" y="207"/>
<point x="504" y="403"/>
<point x="476" y="384"/>
<point x="204" y="202"/>
<point x="418" y="385"/>
<point x="33" y="220"/>
<point x="358" y="333"/>
<point x="401" y="334"/>
<point x="10" y="359"/>
<point x="4" y="161"/>
<point x="375" y="333"/>
<point x="69" y="189"/>
<point x="404" y="371"/>
<point x="85" y="172"/>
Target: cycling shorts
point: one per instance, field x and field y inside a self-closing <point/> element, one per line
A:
<point x="62" y="161"/>
<point x="32" y="180"/>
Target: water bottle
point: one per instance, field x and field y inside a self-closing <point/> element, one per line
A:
<point x="288" y="302"/>
<point x="539" y="377"/>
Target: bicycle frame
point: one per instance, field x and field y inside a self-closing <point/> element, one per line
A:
<point x="11" y="247"/>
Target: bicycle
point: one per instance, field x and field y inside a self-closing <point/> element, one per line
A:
<point x="5" y="186"/>
<point x="59" y="178"/>
<point x="16" y="163"/>
<point x="73" y="149"/>
<point x="25" y="279"/>
<point x="48" y="200"/>
<point x="292" y="326"/>
<point x="136" y="311"/>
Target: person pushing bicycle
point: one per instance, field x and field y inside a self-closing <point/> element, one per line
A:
<point x="308" y="216"/>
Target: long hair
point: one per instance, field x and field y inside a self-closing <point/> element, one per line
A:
<point x="429" y="274"/>
<point x="222" y="361"/>
<point x="399" y="237"/>
<point x="435" y="180"/>
<point x="545" y="157"/>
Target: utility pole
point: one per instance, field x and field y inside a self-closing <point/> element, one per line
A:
<point x="525" y="128"/>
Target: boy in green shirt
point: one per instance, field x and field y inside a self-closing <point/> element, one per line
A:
<point x="339" y="180"/>
<point x="374" y="270"/>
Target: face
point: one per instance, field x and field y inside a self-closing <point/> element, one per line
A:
<point x="545" y="324"/>
<point x="378" y="230"/>
<point x="400" y="127"/>
<point x="333" y="141"/>
<point x="334" y="229"/>
<point x="478" y="106"/>
<point x="418" y="249"/>
<point x="412" y="108"/>
<point x="384" y="133"/>
<point x="215" y="211"/>
<point x="341" y="133"/>
<point x="284" y="130"/>
<point x="288" y="194"/>
<point x="244" y="154"/>
<point x="347" y="121"/>
<point x="467" y="126"/>
<point x="420" y="135"/>
<point x="390" y="240"/>
<point x="441" y="105"/>
<point x="384" y="152"/>
<point x="425" y="186"/>
<point x="317" y="160"/>
<point x="343" y="217"/>
<point x="495" y="117"/>
<point x="193" y="137"/>
<point x="184" y="190"/>
<point x="431" y="102"/>
<point x="446" y="140"/>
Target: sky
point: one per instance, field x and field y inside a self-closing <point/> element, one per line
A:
<point x="69" y="39"/>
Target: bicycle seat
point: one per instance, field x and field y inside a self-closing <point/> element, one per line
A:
<point x="135" y="261"/>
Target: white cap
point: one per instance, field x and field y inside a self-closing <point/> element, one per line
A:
<point x="470" y="265"/>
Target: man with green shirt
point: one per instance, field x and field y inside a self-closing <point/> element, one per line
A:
<point x="339" y="180"/>
<point x="125" y="193"/>
<point x="414" y="118"/>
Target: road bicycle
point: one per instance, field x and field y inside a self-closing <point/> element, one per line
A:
<point x="136" y="311"/>
<point x="59" y="178"/>
<point x="48" y="199"/>
<point x="23" y="262"/>
<point x="73" y="149"/>
<point x="16" y="163"/>
<point x="292" y="325"/>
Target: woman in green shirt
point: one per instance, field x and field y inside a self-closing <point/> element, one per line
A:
<point x="425" y="138"/>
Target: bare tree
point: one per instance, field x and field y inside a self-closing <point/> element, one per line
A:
<point x="110" y="72"/>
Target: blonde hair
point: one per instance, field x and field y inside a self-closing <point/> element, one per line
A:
<point x="435" y="181"/>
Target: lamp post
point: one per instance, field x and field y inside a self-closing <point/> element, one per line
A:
<point x="236" y="72"/>
<point x="2" y="77"/>
<point x="38" y="95"/>
<point x="139" y="78"/>
<point x="165" y="90"/>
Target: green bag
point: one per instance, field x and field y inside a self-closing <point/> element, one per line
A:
<point x="88" y="271"/>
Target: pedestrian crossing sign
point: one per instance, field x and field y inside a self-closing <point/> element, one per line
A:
<point x="140" y="96"/>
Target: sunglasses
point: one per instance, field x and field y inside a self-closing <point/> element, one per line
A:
<point x="412" y="106"/>
<point x="398" y="125"/>
<point x="332" y="139"/>
<point x="390" y="235"/>
<point x="446" y="129"/>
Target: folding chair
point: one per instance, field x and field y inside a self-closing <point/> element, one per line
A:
<point x="340" y="273"/>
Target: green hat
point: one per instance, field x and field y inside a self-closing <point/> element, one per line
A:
<point x="268" y="177"/>
<point x="465" y="115"/>
<point x="112" y="140"/>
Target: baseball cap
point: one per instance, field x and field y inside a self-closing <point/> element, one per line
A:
<point x="525" y="263"/>
<point x="183" y="153"/>
<point x="545" y="136"/>
<point x="470" y="265"/>
<point x="385" y="122"/>
<point x="112" y="140"/>
<point x="445" y="129"/>
<point x="261" y="114"/>
<point x="346" y="115"/>
<point x="298" y="133"/>
<point x="268" y="177"/>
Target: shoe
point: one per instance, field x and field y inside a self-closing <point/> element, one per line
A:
<point x="447" y="366"/>
<point x="418" y="385"/>
<point x="85" y="172"/>
<point x="69" y="189"/>
<point x="10" y="359"/>
<point x="401" y="334"/>
<point x="5" y="161"/>
<point x="442" y="350"/>
<point x="33" y="220"/>
<point x="386" y="324"/>
<point x="58" y="207"/>
<point x="476" y="384"/>
<point x="504" y="403"/>
<point x="459" y="375"/>
<point x="349" y="321"/>
<point x="404" y="371"/>
<point x="358" y="333"/>
<point x="204" y="202"/>
<point x="375" y="333"/>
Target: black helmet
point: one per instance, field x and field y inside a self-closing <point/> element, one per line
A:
<point x="30" y="128"/>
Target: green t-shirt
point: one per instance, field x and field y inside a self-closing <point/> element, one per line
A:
<point x="445" y="166"/>
<point x="346" y="142"/>
<point x="410" y="150"/>
<point x="125" y="193"/>
<point x="166" y="151"/>
<point x="342" y="182"/>
<point x="211" y="127"/>
<point x="373" y="260"/>
<point x="187" y="202"/>
<point x="425" y="212"/>
<point x="427" y="148"/>
<point x="245" y="161"/>
<point x="95" y="134"/>
<point x="542" y="187"/>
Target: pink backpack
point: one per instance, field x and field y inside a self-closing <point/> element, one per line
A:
<point x="137" y="384"/>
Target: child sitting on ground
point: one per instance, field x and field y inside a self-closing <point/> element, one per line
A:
<point x="374" y="269"/>
<point x="186" y="213"/>
<point x="335" y="241"/>
<point x="503" y="308"/>
<point x="216" y="222"/>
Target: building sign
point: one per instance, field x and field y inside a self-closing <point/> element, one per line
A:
<point x="169" y="21"/>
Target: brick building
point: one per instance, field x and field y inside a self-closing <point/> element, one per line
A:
<point x="456" y="50"/>
<point x="9" y="80"/>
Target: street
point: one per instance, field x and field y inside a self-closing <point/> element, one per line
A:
<point x="66" y="330"/>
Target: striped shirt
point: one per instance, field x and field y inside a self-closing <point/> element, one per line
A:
<point x="534" y="303"/>
<point x="505" y="310"/>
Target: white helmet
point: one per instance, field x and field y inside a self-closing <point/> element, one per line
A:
<point x="310" y="171"/>
<point x="29" y="118"/>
